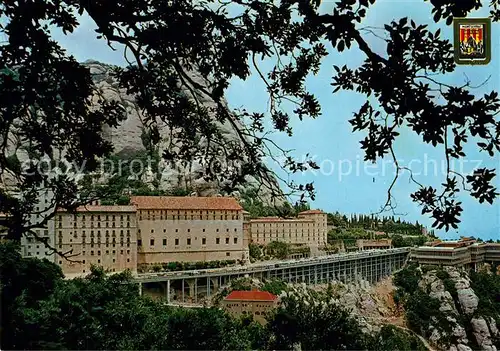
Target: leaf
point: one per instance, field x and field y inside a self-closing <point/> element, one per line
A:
<point x="341" y="46"/>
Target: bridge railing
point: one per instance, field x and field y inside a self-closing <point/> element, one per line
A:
<point x="273" y="265"/>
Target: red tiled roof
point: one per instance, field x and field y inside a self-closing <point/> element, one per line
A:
<point x="185" y="203"/>
<point x="312" y="212"/>
<point x="254" y="295"/>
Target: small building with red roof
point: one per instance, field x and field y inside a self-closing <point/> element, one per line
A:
<point x="254" y="303"/>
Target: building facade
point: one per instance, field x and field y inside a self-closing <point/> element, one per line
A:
<point x="250" y="303"/>
<point x="465" y="252"/>
<point x="98" y="235"/>
<point x="189" y="229"/>
<point x="308" y="228"/>
<point x="30" y="247"/>
<point x="378" y="244"/>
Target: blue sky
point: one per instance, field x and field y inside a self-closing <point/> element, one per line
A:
<point x="330" y="139"/>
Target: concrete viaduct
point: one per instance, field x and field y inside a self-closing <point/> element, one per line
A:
<point x="195" y="286"/>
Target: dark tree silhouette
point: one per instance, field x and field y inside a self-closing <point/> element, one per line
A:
<point x="49" y="103"/>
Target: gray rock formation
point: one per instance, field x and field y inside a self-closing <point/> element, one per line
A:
<point x="126" y="138"/>
<point x="484" y="330"/>
<point x="482" y="334"/>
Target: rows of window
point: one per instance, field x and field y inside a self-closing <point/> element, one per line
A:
<point x="99" y="253"/>
<point x="187" y="215"/>
<point x="189" y="241"/>
<point x="217" y="230"/>
<point x="98" y="217"/>
<point x="98" y="232"/>
<point x="282" y="235"/>
<point x="37" y="253"/>
<point x="97" y="225"/>
<point x="282" y="224"/>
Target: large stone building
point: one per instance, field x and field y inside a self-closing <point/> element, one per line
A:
<point x="250" y="303"/>
<point x="189" y="229"/>
<point x="308" y="228"/>
<point x="465" y="252"/>
<point x="98" y="235"/>
<point x="30" y="247"/>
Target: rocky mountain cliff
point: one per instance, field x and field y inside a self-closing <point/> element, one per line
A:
<point x="126" y="138"/>
<point x="468" y="327"/>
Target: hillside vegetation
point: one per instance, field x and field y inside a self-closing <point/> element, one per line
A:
<point x="455" y="310"/>
<point x="41" y="310"/>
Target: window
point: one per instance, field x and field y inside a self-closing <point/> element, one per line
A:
<point x="152" y="230"/>
<point x="228" y="254"/>
<point x="189" y="230"/>
<point x="189" y="241"/>
<point x="217" y="230"/>
<point x="164" y="242"/>
<point x="235" y="240"/>
<point x="99" y="253"/>
<point x="152" y="242"/>
<point x="203" y="230"/>
<point x="176" y="241"/>
<point x="164" y="230"/>
<point x="227" y="240"/>
<point x="139" y="242"/>
<point x="204" y="241"/>
<point x="128" y="259"/>
<point x="98" y="261"/>
<point x="177" y="230"/>
<point x="121" y="252"/>
<point x="217" y="240"/>
<point x="91" y="253"/>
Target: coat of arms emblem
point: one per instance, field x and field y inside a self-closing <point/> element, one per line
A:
<point x="472" y="41"/>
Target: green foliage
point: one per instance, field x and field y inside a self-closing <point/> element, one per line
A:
<point x="420" y="309"/>
<point x="255" y="251"/>
<point x="251" y="203"/>
<point x="393" y="338"/>
<point x="24" y="282"/>
<point x="400" y="241"/>
<point x="362" y="223"/>
<point x="407" y="278"/>
<point x="278" y="249"/>
<point x="188" y="266"/>
<point x="307" y="318"/>
<point x="41" y="310"/>
<point x="274" y="286"/>
<point x="487" y="288"/>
